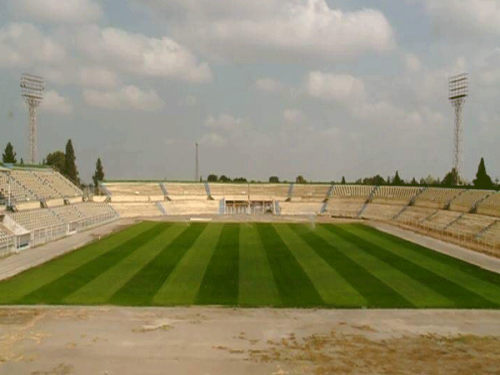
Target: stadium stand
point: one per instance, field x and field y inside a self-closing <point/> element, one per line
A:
<point x="269" y="191"/>
<point x="135" y="188"/>
<point x="441" y="219"/>
<point x="132" y="209"/>
<point x="352" y="191"/>
<point x="466" y="201"/>
<point x="229" y="191"/>
<point x="471" y="224"/>
<point x="380" y="211"/>
<point x="490" y="205"/>
<point x="415" y="214"/>
<point x="36" y="219"/>
<point x="310" y="192"/>
<point x="436" y="197"/>
<point x="63" y="186"/>
<point x="191" y="207"/>
<point x="19" y="192"/>
<point x="349" y="208"/>
<point x="300" y="208"/>
<point x="395" y="194"/>
<point x="492" y="234"/>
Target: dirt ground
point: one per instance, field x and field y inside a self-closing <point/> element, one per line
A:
<point x="211" y="340"/>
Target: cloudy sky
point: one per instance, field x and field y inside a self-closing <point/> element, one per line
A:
<point x="322" y="88"/>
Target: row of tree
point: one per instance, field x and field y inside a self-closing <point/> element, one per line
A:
<point x="64" y="162"/>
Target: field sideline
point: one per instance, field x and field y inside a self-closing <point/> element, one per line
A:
<point x="261" y="264"/>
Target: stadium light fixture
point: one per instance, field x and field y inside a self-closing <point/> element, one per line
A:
<point x="32" y="88"/>
<point x="458" y="88"/>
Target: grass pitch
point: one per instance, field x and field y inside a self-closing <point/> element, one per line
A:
<point x="282" y="265"/>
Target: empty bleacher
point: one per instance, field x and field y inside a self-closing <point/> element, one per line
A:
<point x="441" y="219"/>
<point x="229" y="191"/>
<point x="349" y="208"/>
<point x="36" y="219"/>
<point x="395" y="194"/>
<point x="415" y="215"/>
<point x="358" y="192"/>
<point x="465" y="201"/>
<point x="492" y="234"/>
<point x="310" y="192"/>
<point x="64" y="187"/>
<point x="68" y="213"/>
<point x="41" y="188"/>
<point x="132" y="209"/>
<point x="471" y="224"/>
<point x="18" y="192"/>
<point x="191" y="207"/>
<point x="490" y="206"/>
<point x="184" y="191"/>
<point x="268" y="192"/>
<point x="383" y="212"/>
<point x="436" y="197"/>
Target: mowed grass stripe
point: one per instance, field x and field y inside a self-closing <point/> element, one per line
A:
<point x="459" y="295"/>
<point x="220" y="284"/>
<point x="354" y="266"/>
<point x="62" y="287"/>
<point x="332" y="287"/>
<point x="471" y="277"/>
<point x="15" y="288"/>
<point x="294" y="287"/>
<point x="99" y="290"/>
<point x="181" y="288"/>
<point x="257" y="286"/>
<point x="141" y="288"/>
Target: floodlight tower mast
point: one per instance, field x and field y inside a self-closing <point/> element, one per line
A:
<point x="458" y="91"/>
<point x="32" y="88"/>
<point x="197" y="167"/>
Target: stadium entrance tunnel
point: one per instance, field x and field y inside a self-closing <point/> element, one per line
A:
<point x="260" y="207"/>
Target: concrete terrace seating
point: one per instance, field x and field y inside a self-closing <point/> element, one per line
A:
<point x="62" y="185"/>
<point x="229" y="191"/>
<point x="395" y="194"/>
<point x="147" y="209"/>
<point x="177" y="190"/>
<point x="135" y="188"/>
<point x="269" y="191"/>
<point x="300" y="208"/>
<point x="491" y="205"/>
<point x="441" y="219"/>
<point x="68" y="213"/>
<point x="36" y="219"/>
<point x="465" y="201"/>
<point x="415" y="214"/>
<point x="310" y="192"/>
<point x="436" y="197"/>
<point x="344" y="207"/>
<point x="19" y="193"/>
<point x="380" y="211"/>
<point x="492" y="235"/>
<point x="95" y="209"/>
<point x="40" y="188"/>
<point x="191" y="207"/>
<point x="471" y="224"/>
<point x="358" y="192"/>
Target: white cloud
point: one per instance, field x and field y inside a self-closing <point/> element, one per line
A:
<point x="55" y="103"/>
<point x="142" y="55"/>
<point x="412" y="62"/>
<point x="214" y="140"/>
<point x="464" y="16"/>
<point x="60" y="11"/>
<point x="268" y="85"/>
<point x="22" y="44"/>
<point x="127" y="98"/>
<point x="225" y="122"/>
<point x="293" y="115"/>
<point x="97" y="77"/>
<point x="242" y="29"/>
<point x="338" y="87"/>
<point x="188" y="101"/>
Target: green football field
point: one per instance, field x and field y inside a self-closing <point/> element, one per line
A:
<point x="260" y="264"/>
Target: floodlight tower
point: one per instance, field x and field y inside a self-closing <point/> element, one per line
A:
<point x="32" y="88"/>
<point x="458" y="91"/>
<point x="197" y="167"/>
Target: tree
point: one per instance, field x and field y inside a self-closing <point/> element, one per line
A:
<point x="300" y="180"/>
<point x="224" y="178"/>
<point x="212" y="178"/>
<point x="450" y="179"/>
<point x="414" y="182"/>
<point x="99" y="173"/>
<point x="56" y="159"/>
<point x="70" y="170"/>
<point x="9" y="156"/>
<point x="482" y="180"/>
<point x="240" y="179"/>
<point x="343" y="180"/>
<point x="274" y="179"/>
<point x="397" y="181"/>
